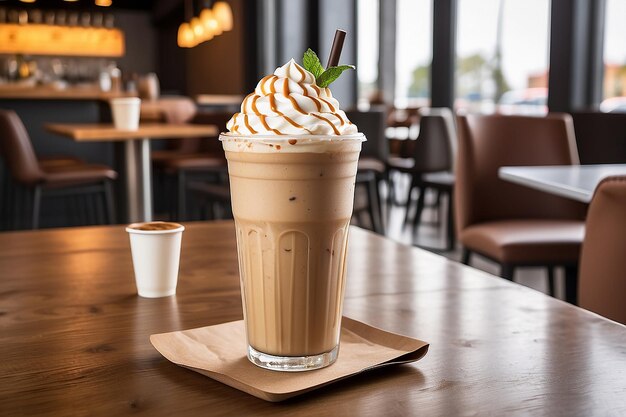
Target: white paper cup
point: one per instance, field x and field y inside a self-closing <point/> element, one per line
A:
<point x="156" y="256"/>
<point x="126" y="111"/>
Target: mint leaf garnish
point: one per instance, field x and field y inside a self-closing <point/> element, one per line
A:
<point x="331" y="74"/>
<point x="312" y="63"/>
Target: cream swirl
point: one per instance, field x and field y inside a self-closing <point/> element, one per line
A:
<point x="290" y="103"/>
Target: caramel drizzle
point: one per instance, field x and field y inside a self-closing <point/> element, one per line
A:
<point x="340" y="119"/>
<point x="275" y="110"/>
<point x="302" y="74"/>
<point x="245" y="100"/>
<point x="273" y="106"/>
<point x="286" y="87"/>
<point x="294" y="124"/>
<point x="273" y="85"/>
<point x="317" y="103"/>
<point x="330" y="106"/>
<point x="295" y="105"/>
<point x="253" y="105"/>
<point x="245" y="121"/>
<point x="327" y="121"/>
<point x="262" y="83"/>
<point x="305" y="92"/>
<point x="267" y="127"/>
<point x="316" y="89"/>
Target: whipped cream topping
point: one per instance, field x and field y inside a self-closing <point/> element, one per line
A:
<point x="290" y="103"/>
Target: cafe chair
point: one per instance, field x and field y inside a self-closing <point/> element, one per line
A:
<point x="602" y="279"/>
<point x="201" y="158"/>
<point x="212" y="201"/>
<point x="510" y="224"/>
<point x="430" y="166"/>
<point x="32" y="181"/>
<point x="404" y="127"/>
<point x="371" y="171"/>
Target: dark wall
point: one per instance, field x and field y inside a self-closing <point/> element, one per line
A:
<point x="141" y="41"/>
<point x="217" y="66"/>
<point x="213" y="67"/>
<point x="171" y="60"/>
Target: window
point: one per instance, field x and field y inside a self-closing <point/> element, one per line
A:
<point x="614" y="58"/>
<point x="414" y="54"/>
<point x="367" y="65"/>
<point x="502" y="56"/>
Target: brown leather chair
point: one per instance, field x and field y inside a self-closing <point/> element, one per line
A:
<point x="46" y="180"/>
<point x="508" y="223"/>
<point x="602" y="279"/>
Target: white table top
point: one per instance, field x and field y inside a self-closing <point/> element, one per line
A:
<point x="577" y="182"/>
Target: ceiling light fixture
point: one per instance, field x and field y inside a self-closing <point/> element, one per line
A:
<point x="211" y="21"/>
<point x="224" y="15"/>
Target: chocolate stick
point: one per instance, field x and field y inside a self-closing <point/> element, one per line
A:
<point x="335" y="50"/>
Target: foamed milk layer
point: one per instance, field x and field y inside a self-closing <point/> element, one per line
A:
<point x="290" y="103"/>
<point x="291" y="143"/>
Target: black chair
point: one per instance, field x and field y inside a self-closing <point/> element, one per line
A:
<point x="431" y="166"/>
<point x="600" y="137"/>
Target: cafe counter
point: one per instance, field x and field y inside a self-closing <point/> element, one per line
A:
<point x="22" y="92"/>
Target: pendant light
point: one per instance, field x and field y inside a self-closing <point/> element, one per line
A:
<point x="186" y="36"/>
<point x="224" y="15"/>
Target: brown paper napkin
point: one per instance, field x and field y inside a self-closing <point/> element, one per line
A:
<point x="219" y="352"/>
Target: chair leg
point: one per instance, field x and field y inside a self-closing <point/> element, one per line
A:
<point x="108" y="200"/>
<point x="390" y="188"/>
<point x="551" y="281"/>
<point x="419" y="207"/>
<point x="437" y="205"/>
<point x="507" y="271"/>
<point x="451" y="235"/>
<point x="379" y="203"/>
<point x="182" y="203"/>
<point x="408" y="200"/>
<point x="465" y="256"/>
<point x="373" y="206"/>
<point x="571" y="284"/>
<point x="36" y="207"/>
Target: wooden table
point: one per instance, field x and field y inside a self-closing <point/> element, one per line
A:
<point x="577" y="182"/>
<point x="74" y="336"/>
<point x="136" y="154"/>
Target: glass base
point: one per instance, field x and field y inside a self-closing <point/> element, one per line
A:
<point x="292" y="363"/>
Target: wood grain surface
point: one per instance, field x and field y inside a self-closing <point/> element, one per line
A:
<point x="107" y="132"/>
<point x="74" y="336"/>
<point x="51" y="93"/>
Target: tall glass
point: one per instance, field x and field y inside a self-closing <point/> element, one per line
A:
<point x="292" y="200"/>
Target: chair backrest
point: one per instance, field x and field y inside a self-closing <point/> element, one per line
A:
<point x="435" y="147"/>
<point x="602" y="273"/>
<point x="601" y="137"/>
<point x="17" y="150"/>
<point x="487" y="143"/>
<point x="217" y="118"/>
<point x="372" y="124"/>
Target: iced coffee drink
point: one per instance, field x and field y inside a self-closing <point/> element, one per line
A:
<point x="292" y="160"/>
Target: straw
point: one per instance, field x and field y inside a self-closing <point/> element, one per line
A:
<point x="335" y="50"/>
